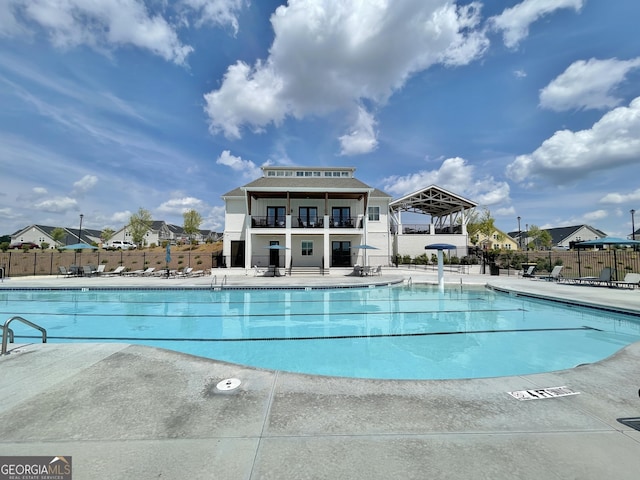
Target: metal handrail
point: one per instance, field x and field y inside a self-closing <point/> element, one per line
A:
<point x="6" y="331"/>
<point x="10" y="333"/>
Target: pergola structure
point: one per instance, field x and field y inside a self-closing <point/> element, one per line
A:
<point x="445" y="208"/>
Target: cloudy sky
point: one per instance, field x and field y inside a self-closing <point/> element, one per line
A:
<point x="530" y="108"/>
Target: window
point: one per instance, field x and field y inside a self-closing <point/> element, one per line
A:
<point x="276" y="216"/>
<point x="374" y="214"/>
<point x="308" y="216"/>
<point x="341" y="216"/>
<point x="307" y="248"/>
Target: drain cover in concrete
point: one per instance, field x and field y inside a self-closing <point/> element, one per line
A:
<point x="541" y="393"/>
<point x="228" y="384"/>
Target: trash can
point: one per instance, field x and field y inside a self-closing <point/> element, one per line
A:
<point x="494" y="269"/>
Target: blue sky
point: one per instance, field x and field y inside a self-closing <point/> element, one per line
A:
<point x="530" y="108"/>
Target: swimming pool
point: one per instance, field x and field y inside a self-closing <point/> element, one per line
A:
<point x="401" y="332"/>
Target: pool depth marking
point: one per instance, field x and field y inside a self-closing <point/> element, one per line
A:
<point x="329" y="337"/>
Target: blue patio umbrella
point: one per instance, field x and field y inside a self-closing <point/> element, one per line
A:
<point x="79" y="246"/>
<point x="440" y="247"/>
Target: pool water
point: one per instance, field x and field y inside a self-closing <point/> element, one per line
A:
<point x="402" y="332"/>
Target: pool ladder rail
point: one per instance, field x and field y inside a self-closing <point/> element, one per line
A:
<point x="214" y="282"/>
<point x="7" y="333"/>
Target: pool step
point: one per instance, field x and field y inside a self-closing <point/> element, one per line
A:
<point x="308" y="271"/>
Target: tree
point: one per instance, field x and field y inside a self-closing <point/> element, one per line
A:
<point x="58" y="234"/>
<point x="139" y="224"/>
<point x="106" y="234"/>
<point x="192" y="221"/>
<point x="540" y="238"/>
<point x="483" y="224"/>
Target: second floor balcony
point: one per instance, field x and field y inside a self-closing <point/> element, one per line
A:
<point x="267" y="221"/>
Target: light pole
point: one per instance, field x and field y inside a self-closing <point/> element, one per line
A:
<point x="633" y="224"/>
<point x="80" y="231"/>
<point x="79" y="241"/>
<point x="519" y="235"/>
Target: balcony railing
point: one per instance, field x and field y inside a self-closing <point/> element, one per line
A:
<point x="258" y="221"/>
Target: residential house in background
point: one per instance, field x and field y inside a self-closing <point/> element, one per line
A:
<point x="42" y="234"/>
<point x="497" y="240"/>
<point x="562" y="238"/>
<point x="161" y="231"/>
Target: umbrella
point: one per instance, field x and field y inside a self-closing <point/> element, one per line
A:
<point x="440" y="247"/>
<point x="276" y="247"/>
<point x="79" y="246"/>
<point x="167" y="258"/>
<point x="365" y="248"/>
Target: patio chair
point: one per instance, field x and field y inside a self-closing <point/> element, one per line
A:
<point x="100" y="270"/>
<point x="258" y="271"/>
<point x="604" y="278"/>
<point x="377" y="271"/>
<point x="555" y="275"/>
<point x="631" y="280"/>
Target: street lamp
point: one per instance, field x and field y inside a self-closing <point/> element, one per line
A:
<point x="519" y="235"/>
<point x="633" y="225"/>
<point x="80" y="231"/>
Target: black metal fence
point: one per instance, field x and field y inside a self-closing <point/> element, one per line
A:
<point x="19" y="263"/>
<point x="576" y="263"/>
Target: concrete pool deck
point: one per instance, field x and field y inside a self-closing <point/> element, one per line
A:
<point x="125" y="411"/>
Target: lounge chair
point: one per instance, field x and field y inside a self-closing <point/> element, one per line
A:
<point x="377" y="271"/>
<point x="529" y="272"/>
<point x="186" y="272"/>
<point x="631" y="280"/>
<point x="555" y="275"/>
<point x="88" y="270"/>
<point x="64" y="272"/>
<point x="118" y="271"/>
<point x="603" y="279"/>
<point x="258" y="272"/>
<point x="100" y="270"/>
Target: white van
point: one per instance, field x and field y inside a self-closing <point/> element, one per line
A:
<point x="120" y="245"/>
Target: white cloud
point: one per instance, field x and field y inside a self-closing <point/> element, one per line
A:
<point x="85" y="184"/>
<point x="456" y="175"/>
<point x="57" y="204"/>
<point x="181" y="205"/>
<point x="362" y="138"/>
<point x="237" y="164"/>
<point x="595" y="215"/>
<point x="587" y="84"/>
<point x="39" y="191"/>
<point x="121" y="218"/>
<point x="101" y="25"/>
<point x="514" y="22"/>
<point x="613" y="141"/>
<point x="330" y="55"/>
<point x="216" y="12"/>
<point x="621" y="197"/>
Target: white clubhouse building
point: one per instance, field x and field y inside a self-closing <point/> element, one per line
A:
<point x="324" y="217"/>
